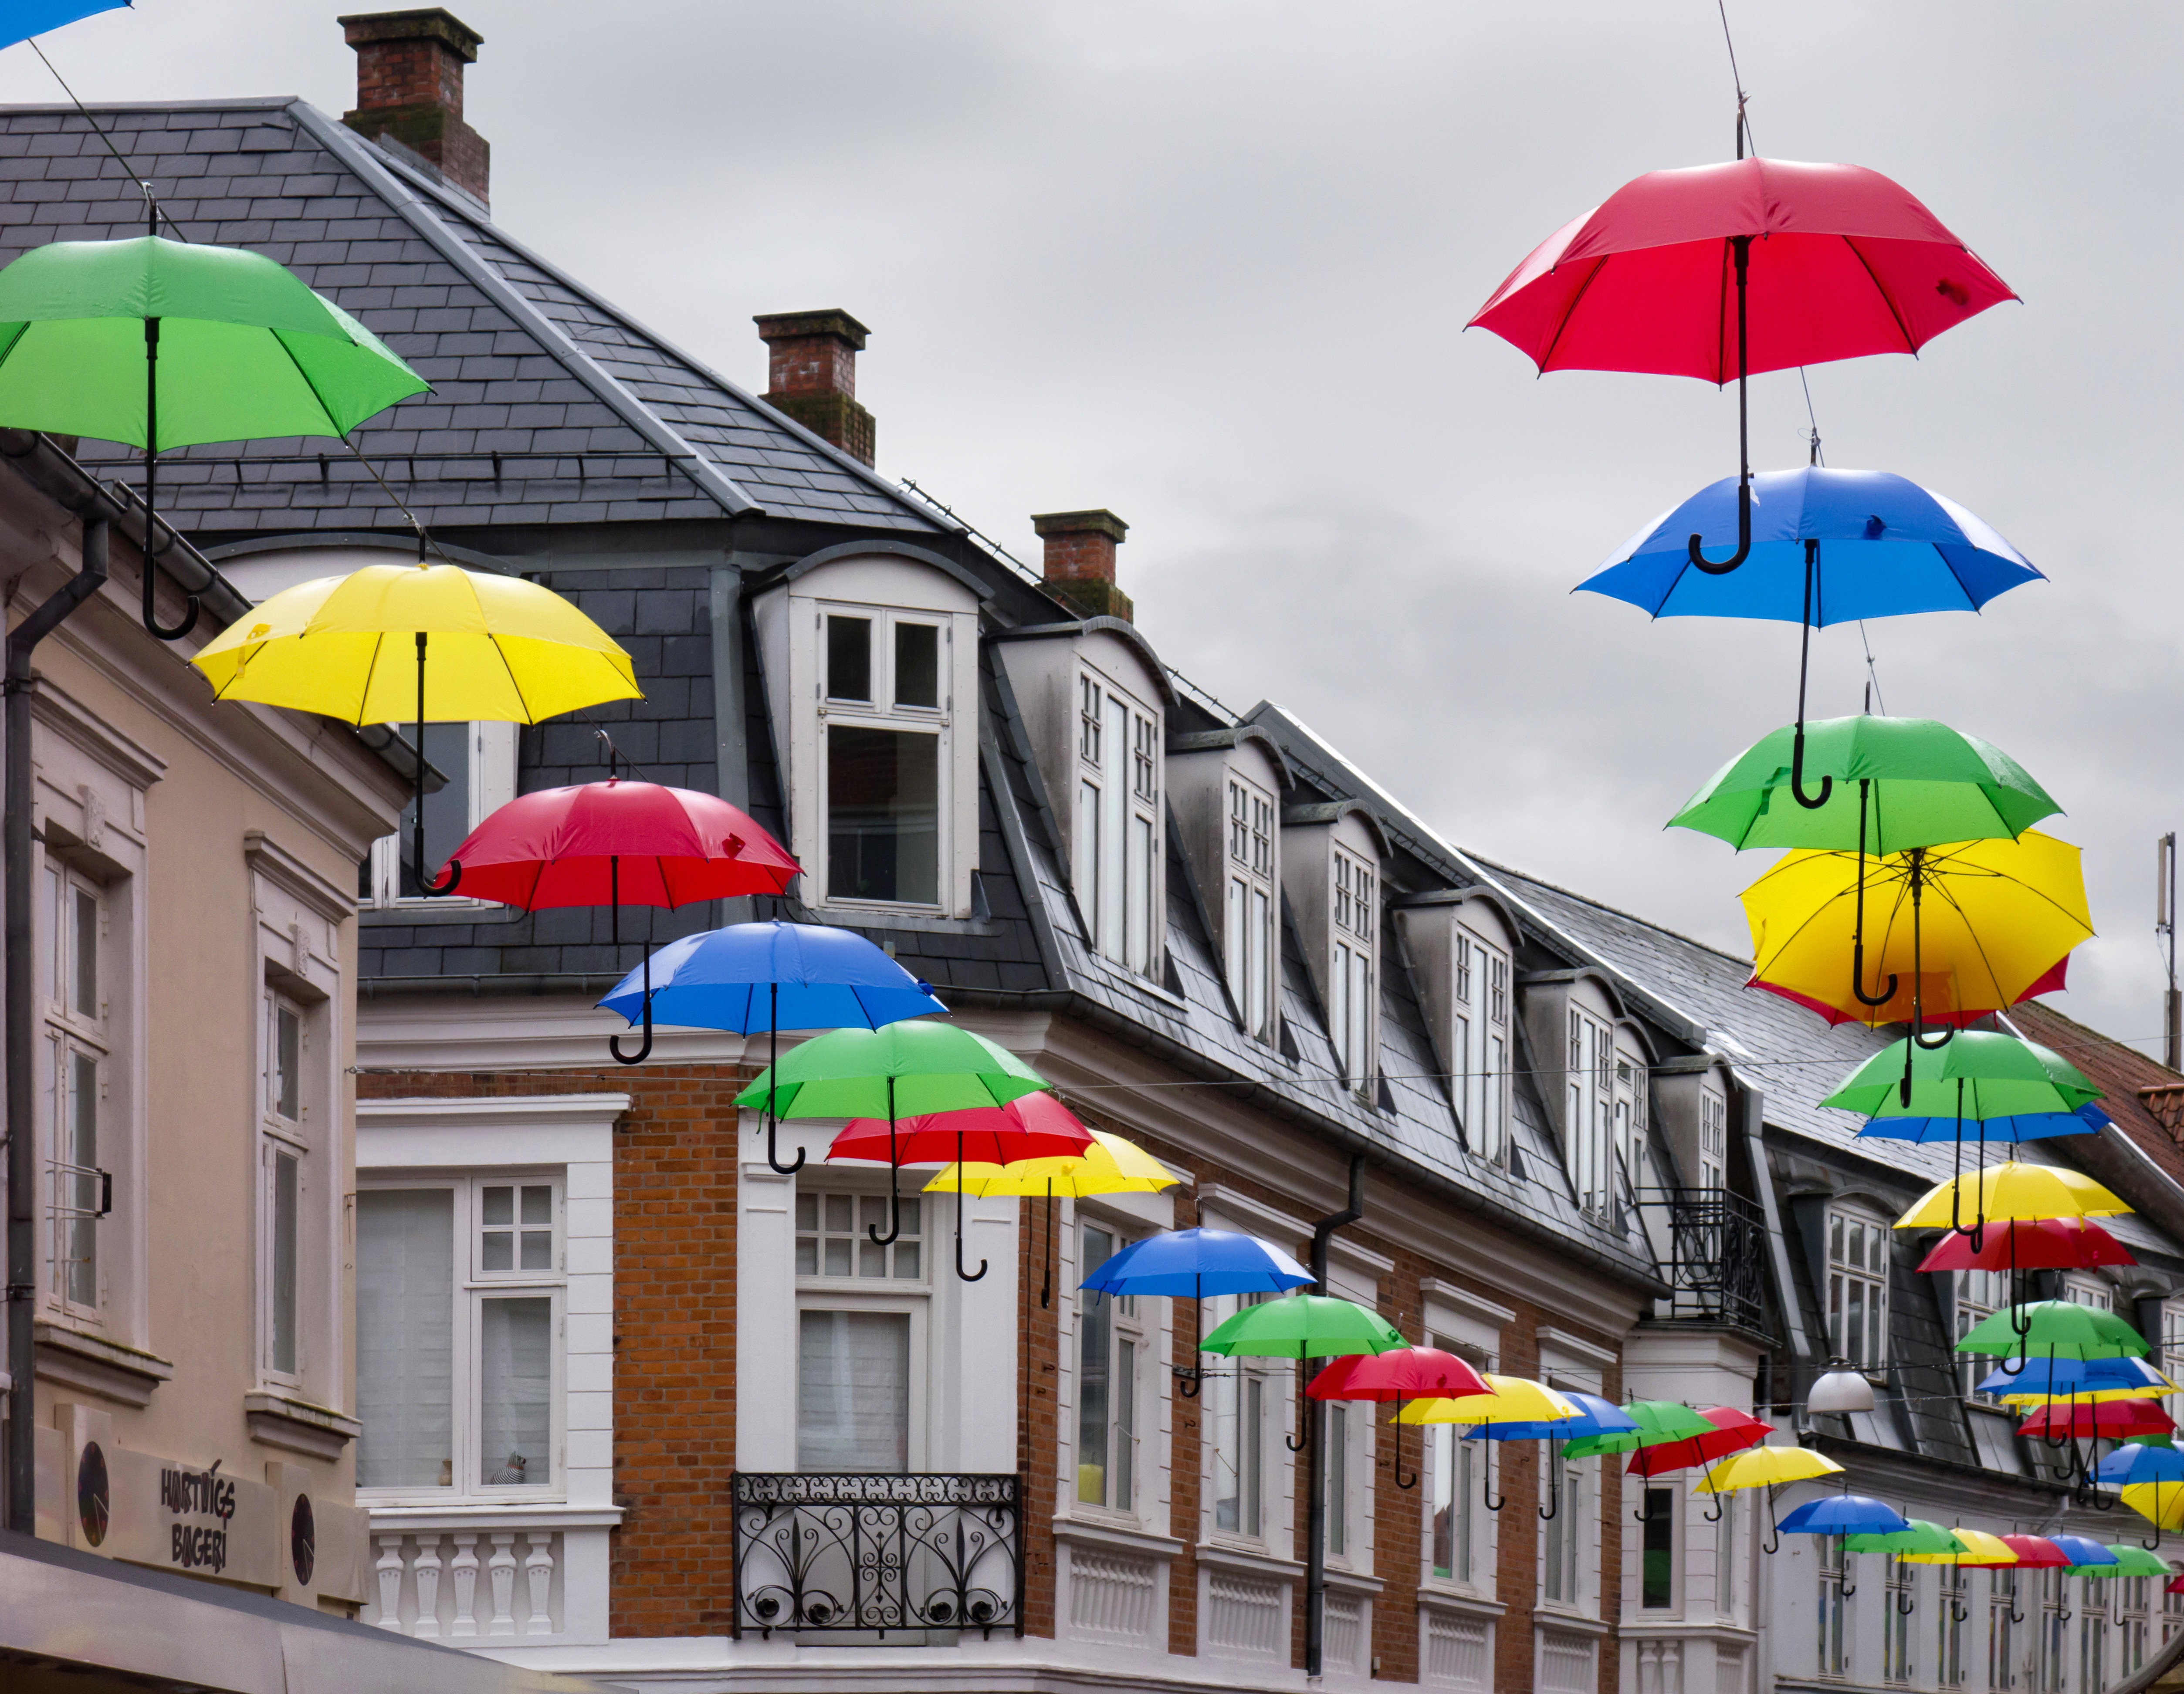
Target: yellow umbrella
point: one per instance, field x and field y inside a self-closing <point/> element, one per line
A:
<point x="1978" y="1548"/>
<point x="1931" y="932"/>
<point x="2013" y="1192"/>
<point x="1515" y="1399"/>
<point x="354" y="647"/>
<point x="1761" y="1467"/>
<point x="2161" y="1504"/>
<point x="2091" y="1396"/>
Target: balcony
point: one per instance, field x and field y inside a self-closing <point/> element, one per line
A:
<point x="1713" y="1256"/>
<point x="858" y="1556"/>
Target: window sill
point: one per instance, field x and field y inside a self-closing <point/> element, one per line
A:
<point x="455" y="909"/>
<point x="296" y="1426"/>
<point x="1248" y="1560"/>
<point x="1462" y="1602"/>
<point x="1553" y="1615"/>
<point x="1353" y="1582"/>
<point x="542" y="1515"/>
<point x="1117" y="1537"/>
<point x="96" y="1365"/>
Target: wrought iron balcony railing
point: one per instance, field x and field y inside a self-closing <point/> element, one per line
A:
<point x="845" y="1554"/>
<point x="1716" y="1254"/>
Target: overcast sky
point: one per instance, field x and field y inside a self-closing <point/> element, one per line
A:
<point x="1207" y="262"/>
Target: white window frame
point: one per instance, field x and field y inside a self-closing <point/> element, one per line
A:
<point x="1978" y="1295"/>
<point x="907" y="1295"/>
<point x="1353" y="1007"/>
<point x="1119" y="839"/>
<point x="2134" y="1617"/>
<point x="1853" y="1290"/>
<point x="1899" y="1650"/>
<point x="1589" y="1104"/>
<point x="1713" y="1138"/>
<point x="884" y="712"/>
<point x="1834" y="1647"/>
<point x="1479" y="1040"/>
<point x="1132" y="1321"/>
<point x="492" y="779"/>
<point x="1569" y="1546"/>
<point x="1259" y="1447"/>
<point x="1455" y="1469"/>
<point x="1252" y="902"/>
<point x="281" y="1137"/>
<point x="75" y="1191"/>
<point x="2002" y="1641"/>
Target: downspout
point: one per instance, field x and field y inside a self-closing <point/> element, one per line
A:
<point x="1315" y="1534"/>
<point x="19" y="987"/>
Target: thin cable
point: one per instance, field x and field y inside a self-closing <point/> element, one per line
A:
<point x="1872" y="670"/>
<point x="1735" y="76"/>
<point x="1811" y="418"/>
<point x="119" y="157"/>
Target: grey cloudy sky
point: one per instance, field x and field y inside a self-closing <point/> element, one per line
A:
<point x="1207" y="262"/>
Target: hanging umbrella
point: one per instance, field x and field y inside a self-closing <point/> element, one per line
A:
<point x="772" y="976"/>
<point x="2108" y="1420"/>
<point x="1727" y="269"/>
<point x="249" y="353"/>
<point x="2019" y="1126"/>
<point x="1762" y="1467"/>
<point x="2130" y="1561"/>
<point x="20" y="20"/>
<point x="1732" y="1431"/>
<point x="1111" y="1165"/>
<point x="1512" y="1403"/>
<point x="2014" y="1192"/>
<point x="613" y="844"/>
<point x="2138" y="1470"/>
<point x="1844" y="1514"/>
<point x="1965" y="927"/>
<point x="2035" y="1553"/>
<point x="1978" y="1550"/>
<point x="1193" y="1264"/>
<point x="508" y="650"/>
<point x="1399" y="1374"/>
<point x="1654" y="1421"/>
<point x="2084" y="1552"/>
<point x="2161" y="1504"/>
<point x="2034" y="1381"/>
<point x="1596" y="1417"/>
<point x="2058" y="1328"/>
<point x="1920" y="1535"/>
<point x="902" y="1070"/>
<point x="1303" y="1326"/>
<point x="2031" y="1243"/>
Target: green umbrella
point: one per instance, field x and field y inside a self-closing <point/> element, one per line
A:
<point x="1658" y="1421"/>
<point x="249" y="353"/>
<point x="2130" y="1561"/>
<point x="1924" y="1536"/>
<point x="2064" y="1330"/>
<point x="899" y="1070"/>
<point x="2001" y="1077"/>
<point x="1899" y="782"/>
<point x="1304" y="1326"/>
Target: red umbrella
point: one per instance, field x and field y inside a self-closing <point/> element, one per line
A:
<point x="2111" y="1419"/>
<point x="2176" y="1585"/>
<point x="1404" y="1373"/>
<point x="1837" y="261"/>
<point x="2035" y="1553"/>
<point x="2034" y="1244"/>
<point x="2053" y="980"/>
<point x="616" y="843"/>
<point x="1036" y="1127"/>
<point x="1735" y="1431"/>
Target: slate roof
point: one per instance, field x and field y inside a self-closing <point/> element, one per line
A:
<point x="595" y="419"/>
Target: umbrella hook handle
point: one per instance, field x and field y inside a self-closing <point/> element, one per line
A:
<point x="772" y="1058"/>
<point x="2016" y="1616"/>
<point x="894" y="1183"/>
<point x="1810" y="802"/>
<point x="1858" y="932"/>
<point x="1400" y="1482"/>
<point x="1958" y="1611"/>
<point x="1742" y="247"/>
<point x="1492" y="1502"/>
<point x="644" y="1047"/>
<point x="962" y="1275"/>
<point x="453" y="868"/>
<point x="1857" y="978"/>
<point x="1713" y="1516"/>
<point x="1186" y="1380"/>
<point x="1554" y="1505"/>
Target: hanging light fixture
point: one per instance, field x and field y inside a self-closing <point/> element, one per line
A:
<point x="1840" y="1389"/>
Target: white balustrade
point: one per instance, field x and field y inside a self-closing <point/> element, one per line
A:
<point x="1245" y="1615"/>
<point x="1457" y="1651"/>
<point x="412" y="1598"/>
<point x="1114" y="1596"/>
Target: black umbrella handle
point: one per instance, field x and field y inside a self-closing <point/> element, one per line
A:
<point x="1858" y="932"/>
<point x="772" y="1058"/>
<point x="1812" y="802"/>
<point x="1742" y="247"/>
<point x="644" y="1047"/>
<point x="426" y="885"/>
<point x="152" y="472"/>
<point x="894" y="1183"/>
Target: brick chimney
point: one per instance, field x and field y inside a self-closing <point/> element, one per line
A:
<point x="811" y="375"/>
<point x="1080" y="560"/>
<point x="410" y="86"/>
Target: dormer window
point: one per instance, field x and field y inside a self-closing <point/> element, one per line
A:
<point x="1713" y="1139"/>
<point x="1352" y="1007"/>
<point x="1118" y="830"/>
<point x="1252" y="905"/>
<point x="1590" y="1121"/>
<point x="882" y="751"/>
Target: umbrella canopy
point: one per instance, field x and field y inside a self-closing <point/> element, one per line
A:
<point x="754" y="976"/>
<point x="1980" y="1076"/>
<point x="20" y="20"/>
<point x="1881" y="545"/>
<point x="1035" y="1126"/>
<point x="1980" y="1550"/>
<point x="1845" y="1514"/>
<point x="1762" y="1467"/>
<point x="1732" y="1431"/>
<point x="2054" y="1326"/>
<point x="2123" y="1420"/>
<point x="2083" y="1551"/>
<point x="902" y="1070"/>
<point x="1303" y="1326"/>
<point x="2035" y="1553"/>
<point x="1654" y="1421"/>
<point x="2011" y="1192"/>
<point x="1595" y="1417"/>
<point x="1920" y="1535"/>
<point x="2022" y="1126"/>
<point x="2130" y="1561"/>
<point x="1509" y="1400"/>
<point x="1963" y="928"/>
<point x="2161" y="1503"/>
<point x="2119" y="1378"/>
<point x="1111" y="1165"/>
<point x="1195" y="1264"/>
<point x="619" y="844"/>
<point x="1399" y="1373"/>
<point x="2135" y="1464"/>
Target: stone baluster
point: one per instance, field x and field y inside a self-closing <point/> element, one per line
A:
<point x="538" y="1574"/>
<point x="466" y="1570"/>
<point x="502" y="1566"/>
<point x="428" y="1587"/>
<point x="389" y="1569"/>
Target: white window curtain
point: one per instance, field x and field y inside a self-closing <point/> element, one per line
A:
<point x="853" y="1391"/>
<point x="405" y="1337"/>
<point x="516" y="1391"/>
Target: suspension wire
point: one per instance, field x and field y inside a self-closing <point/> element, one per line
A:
<point x="1872" y="672"/>
<point x="120" y="157"/>
<point x="1735" y="76"/>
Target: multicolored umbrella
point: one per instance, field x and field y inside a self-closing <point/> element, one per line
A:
<point x="2035" y="1381"/>
<point x="2137" y="1470"/>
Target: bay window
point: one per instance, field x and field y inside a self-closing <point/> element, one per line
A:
<point x="1252" y="906"/>
<point x="460" y="1326"/>
<point x="1857" y="1289"/>
<point x="1119" y="828"/>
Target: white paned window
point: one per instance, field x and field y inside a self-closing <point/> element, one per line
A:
<point x="478" y="760"/>
<point x="884" y="737"/>
<point x="1630" y="1128"/>
<point x="2172" y="1356"/>
<point x="1857" y="1289"/>
<point x="1353" y="1005"/>
<point x="461" y="1334"/>
<point x="1118" y="825"/>
<point x="1561" y="1537"/>
<point x="833" y="1238"/>
<point x="1833" y="1658"/>
<point x="1452" y="1463"/>
<point x="2172" y="1615"/>
<point x="1480" y="1039"/>
<point x="2054" y="1671"/>
<point x="2001" y="1637"/>
<point x="1238" y="1398"/>
<point x="861" y="1331"/>
<point x="1590" y="1102"/>
<point x="1713" y="1139"/>
<point x="2134" y="1624"/>
<point x="2093" y="1633"/>
<point x="2099" y="1295"/>
<point x="1335" y="1477"/>
<point x="1951" y="1614"/>
<point x="1252" y="905"/>
<point x="80" y="1143"/>
<point x="1113" y="1358"/>
<point x="1900" y="1595"/>
<point x="1980" y="1294"/>
<point x="285" y="1131"/>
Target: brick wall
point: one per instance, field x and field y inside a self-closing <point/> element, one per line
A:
<point x="674" y="1332"/>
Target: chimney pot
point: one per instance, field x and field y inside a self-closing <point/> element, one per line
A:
<point x="811" y="375"/>
<point x="1080" y="560"/>
<point x="410" y="86"/>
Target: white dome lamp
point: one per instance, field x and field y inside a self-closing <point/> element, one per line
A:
<point x="1840" y="1389"/>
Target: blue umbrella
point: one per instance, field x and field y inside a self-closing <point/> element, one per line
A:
<point x="20" y="20"/>
<point x="1596" y="1417"/>
<point x="1845" y="1514"/>
<point x="772" y="976"/>
<point x="1193" y="1264"/>
<point x="1827" y="547"/>
<point x="2082" y="1550"/>
<point x="2029" y="1125"/>
<point x="2137" y="1463"/>
<point x="2061" y="1376"/>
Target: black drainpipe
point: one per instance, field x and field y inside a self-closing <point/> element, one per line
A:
<point x="1314" y="1533"/>
<point x="18" y="986"/>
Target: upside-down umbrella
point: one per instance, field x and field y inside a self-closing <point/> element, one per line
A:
<point x="1723" y="270"/>
<point x="772" y="976"/>
<point x="248" y="352"/>
<point x="613" y="844"/>
<point x="1968" y="927"/>
<point x="1111" y="1165"/>
<point x="503" y="650"/>
<point x="907" y="1069"/>
<point x="1511" y="1402"/>
<point x="1827" y="547"/>
<point x="1399" y="1374"/>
